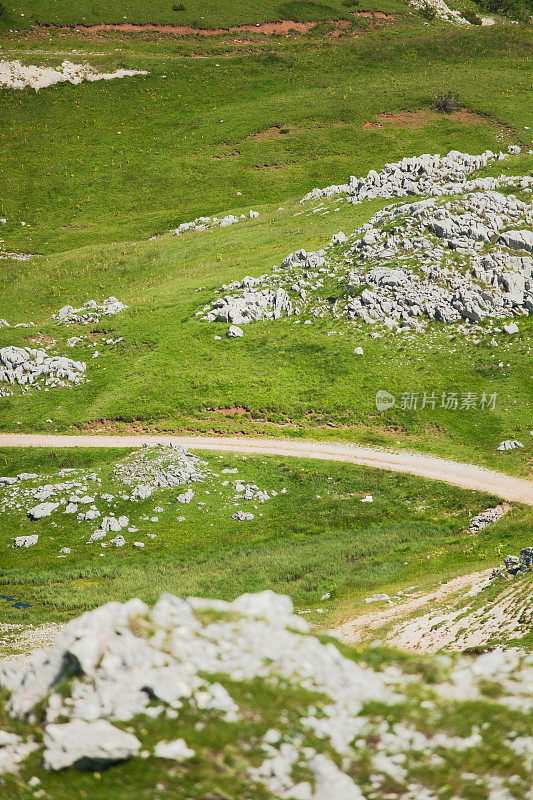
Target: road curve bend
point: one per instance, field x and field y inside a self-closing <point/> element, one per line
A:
<point x="468" y="476"/>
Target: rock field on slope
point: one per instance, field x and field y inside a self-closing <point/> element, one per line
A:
<point x="118" y="509"/>
<point x="38" y="367"/>
<point x="466" y="258"/>
<point x="353" y="735"/>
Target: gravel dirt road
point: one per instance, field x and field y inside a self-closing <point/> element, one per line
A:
<point x="468" y="476"/>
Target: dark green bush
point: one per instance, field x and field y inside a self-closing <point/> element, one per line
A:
<point x="428" y="12"/>
<point x="445" y="103"/>
<point x="178" y="7"/>
<point x="351" y="3"/>
<point x="471" y="17"/>
<point x="515" y="9"/>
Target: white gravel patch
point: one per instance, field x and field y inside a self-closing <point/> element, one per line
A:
<point x="15" y="75"/>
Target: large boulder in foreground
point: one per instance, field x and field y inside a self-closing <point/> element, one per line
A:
<point x="239" y="700"/>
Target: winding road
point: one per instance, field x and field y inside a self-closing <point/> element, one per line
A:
<point x="468" y="476"/>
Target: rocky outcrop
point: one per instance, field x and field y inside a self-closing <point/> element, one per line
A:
<point x="514" y="566"/>
<point x="26" y="366"/>
<point x="349" y="729"/>
<point x="457" y="261"/>
<point x="422" y="175"/>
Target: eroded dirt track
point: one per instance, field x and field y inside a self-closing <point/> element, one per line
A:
<point x="468" y="476"/>
<point x="283" y="27"/>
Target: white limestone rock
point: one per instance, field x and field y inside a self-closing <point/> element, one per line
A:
<point x="234" y="332"/>
<point x="26" y="541"/>
<point x="42" y="510"/>
<point x="176" y="750"/>
<point x="87" y="745"/>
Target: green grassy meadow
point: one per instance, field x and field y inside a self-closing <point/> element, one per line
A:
<point x="122" y="160"/>
<point x="315" y="537"/>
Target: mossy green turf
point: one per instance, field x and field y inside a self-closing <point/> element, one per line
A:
<point x="315" y="538"/>
<point x="92" y="196"/>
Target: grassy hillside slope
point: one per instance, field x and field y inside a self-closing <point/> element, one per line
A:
<point x="124" y="159"/>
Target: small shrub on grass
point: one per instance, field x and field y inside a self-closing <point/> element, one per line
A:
<point x="2" y="9"/>
<point x="471" y="17"/>
<point x="445" y="103"/>
<point x="515" y="9"/>
<point x="428" y="12"/>
<point x="178" y="7"/>
<point x="351" y="3"/>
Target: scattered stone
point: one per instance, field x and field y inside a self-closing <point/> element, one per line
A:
<point x="234" y="332"/>
<point x="176" y="750"/>
<point x="488" y="517"/>
<point x="90" y="312"/>
<point x="242" y="516"/>
<point x="509" y="444"/>
<point x="514" y="566"/>
<point x="42" y="510"/>
<point x="203" y="223"/>
<point x="26" y="541"/>
<point x="376" y="598"/>
<point x="141" y="492"/>
<point x="186" y="497"/>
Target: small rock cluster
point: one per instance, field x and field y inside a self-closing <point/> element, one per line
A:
<point x="514" y="566"/>
<point x="90" y="312"/>
<point x="183" y="659"/>
<point x="160" y="466"/>
<point x="27" y="366"/>
<point x="203" y="223"/>
<point x="249" y="306"/>
<point x="426" y="174"/>
<point x="487" y="517"/>
<point x="509" y="444"/>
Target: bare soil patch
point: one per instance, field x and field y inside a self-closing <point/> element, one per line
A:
<point x="421" y="117"/>
<point x="273" y="132"/>
<point x="226" y="154"/>
<point x="233" y="411"/>
<point x="282" y="28"/>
